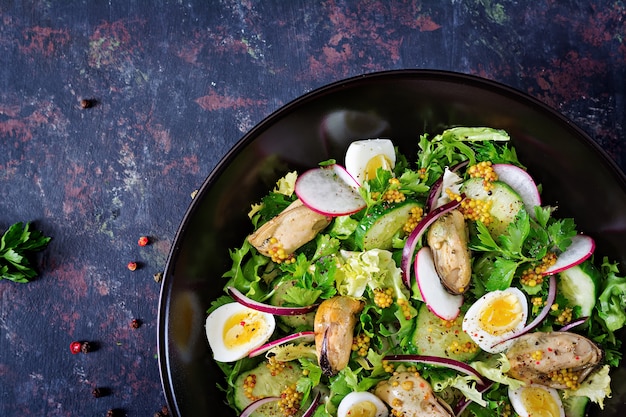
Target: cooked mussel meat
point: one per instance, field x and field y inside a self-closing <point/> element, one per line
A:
<point x="448" y="241"/>
<point x="334" y="324"/>
<point x="554" y="359"/>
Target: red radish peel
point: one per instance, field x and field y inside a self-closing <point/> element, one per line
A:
<point x="578" y="251"/>
<point x="440" y="302"/>
<point x="522" y="183"/>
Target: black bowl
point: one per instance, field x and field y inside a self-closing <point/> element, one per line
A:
<point x="576" y="175"/>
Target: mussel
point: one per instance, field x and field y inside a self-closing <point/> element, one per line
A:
<point x="410" y="395"/>
<point x="448" y="241"/>
<point x="293" y="227"/>
<point x="554" y="359"/>
<point x="334" y="324"/>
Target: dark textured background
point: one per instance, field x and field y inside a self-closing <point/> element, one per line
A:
<point x="176" y="85"/>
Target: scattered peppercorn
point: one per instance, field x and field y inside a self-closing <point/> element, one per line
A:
<point x="143" y="241"/>
<point x="165" y="411"/>
<point x="81" y="347"/>
<point x="158" y="276"/>
<point x="111" y="413"/>
<point x="86" y="347"/>
<point x="75" y="347"/>
<point x="87" y="103"/>
<point x="135" y="323"/>
<point x="132" y="266"/>
<point x="100" y="392"/>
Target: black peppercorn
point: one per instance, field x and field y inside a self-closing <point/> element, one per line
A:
<point x="86" y="347"/>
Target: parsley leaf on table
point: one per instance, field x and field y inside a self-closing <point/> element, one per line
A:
<point x="16" y="245"/>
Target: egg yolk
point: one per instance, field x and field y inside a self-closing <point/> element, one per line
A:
<point x="362" y="409"/>
<point x="378" y="161"/>
<point x="500" y="314"/>
<point x="539" y="403"/>
<point x="241" y="328"/>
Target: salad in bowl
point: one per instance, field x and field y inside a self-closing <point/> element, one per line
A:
<point x="429" y="284"/>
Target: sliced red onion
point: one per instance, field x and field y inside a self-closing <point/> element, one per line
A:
<point x="435" y="189"/>
<point x="310" y="335"/>
<point x="411" y="241"/>
<point x="251" y="408"/>
<point x="464" y="402"/>
<point x="540" y="317"/>
<point x="314" y="404"/>
<point x="436" y="360"/>
<point x="268" y="308"/>
<point x="573" y="324"/>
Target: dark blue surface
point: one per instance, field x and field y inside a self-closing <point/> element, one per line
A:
<point x="176" y="85"/>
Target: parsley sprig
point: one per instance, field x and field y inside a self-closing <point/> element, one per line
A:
<point x="17" y="243"/>
<point x="525" y="242"/>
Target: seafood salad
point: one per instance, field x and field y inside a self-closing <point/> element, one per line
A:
<point x="433" y="284"/>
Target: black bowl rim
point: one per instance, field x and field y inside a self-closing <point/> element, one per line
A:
<point x="434" y="74"/>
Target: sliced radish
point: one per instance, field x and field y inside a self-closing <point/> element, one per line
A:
<point x="577" y="252"/>
<point x="330" y="191"/>
<point x="307" y="336"/>
<point x="442" y="304"/>
<point x="522" y="183"/>
<point x="416" y="234"/>
<point x="268" y="308"/>
<point x="439" y="361"/>
<point x="436" y="190"/>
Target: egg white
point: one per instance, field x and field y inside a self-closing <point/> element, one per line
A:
<point x="536" y="400"/>
<point x="349" y="403"/>
<point x="491" y="340"/>
<point x="233" y="330"/>
<point x="361" y="152"/>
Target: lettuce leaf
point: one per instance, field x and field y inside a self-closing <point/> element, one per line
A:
<point x="495" y="368"/>
<point x="612" y="307"/>
<point x="596" y="387"/>
<point x="374" y="268"/>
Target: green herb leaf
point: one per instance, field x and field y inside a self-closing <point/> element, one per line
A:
<point x="16" y="245"/>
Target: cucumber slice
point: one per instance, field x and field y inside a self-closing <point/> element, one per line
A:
<point x="579" y="285"/>
<point x="267" y="385"/>
<point x="505" y="203"/>
<point x="575" y="406"/>
<point x="436" y="337"/>
<point x="300" y="322"/>
<point x="377" y="229"/>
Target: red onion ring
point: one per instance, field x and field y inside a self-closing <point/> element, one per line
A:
<point x="251" y="408"/>
<point x="268" y="308"/>
<point x="573" y="324"/>
<point x="540" y="317"/>
<point x="411" y="241"/>
<point x="310" y="335"/>
<point x="436" y="360"/>
<point x="314" y="404"/>
<point x="435" y="189"/>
